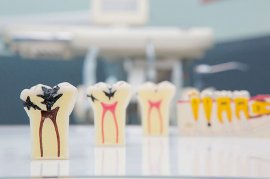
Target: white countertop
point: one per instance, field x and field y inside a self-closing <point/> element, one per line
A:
<point x="141" y="157"/>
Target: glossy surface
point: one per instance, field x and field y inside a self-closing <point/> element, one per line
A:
<point x="142" y="157"/>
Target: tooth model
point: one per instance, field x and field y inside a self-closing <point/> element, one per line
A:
<point x="224" y="107"/>
<point x="241" y="100"/>
<point x="109" y="103"/>
<point x="48" y="110"/>
<point x="188" y="111"/>
<point x="154" y="101"/>
<point x="240" y="109"/>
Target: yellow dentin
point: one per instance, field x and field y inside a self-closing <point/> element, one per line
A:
<point x="195" y="102"/>
<point x="207" y="106"/>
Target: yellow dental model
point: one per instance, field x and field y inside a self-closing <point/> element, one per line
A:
<point x="207" y="102"/>
<point x="241" y="100"/>
<point x="223" y="101"/>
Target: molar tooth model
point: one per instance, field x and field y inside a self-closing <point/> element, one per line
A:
<point x="109" y="103"/>
<point x="154" y="101"/>
<point x="223" y="113"/>
<point x="48" y="110"/>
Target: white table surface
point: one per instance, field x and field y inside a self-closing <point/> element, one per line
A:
<point x="141" y="157"/>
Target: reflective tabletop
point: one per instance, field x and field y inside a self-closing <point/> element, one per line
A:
<point x="141" y="157"/>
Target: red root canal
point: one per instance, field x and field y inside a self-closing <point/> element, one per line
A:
<point x="154" y="104"/>
<point x="106" y="108"/>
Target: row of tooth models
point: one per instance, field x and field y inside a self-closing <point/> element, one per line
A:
<point x="49" y="108"/>
<point x="223" y="113"/>
<point x="205" y="113"/>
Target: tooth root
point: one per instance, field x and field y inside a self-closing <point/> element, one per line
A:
<point x="48" y="110"/>
<point x="223" y="101"/>
<point x="154" y="101"/>
<point x="109" y="103"/>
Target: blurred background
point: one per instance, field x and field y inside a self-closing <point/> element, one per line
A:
<point x="224" y="44"/>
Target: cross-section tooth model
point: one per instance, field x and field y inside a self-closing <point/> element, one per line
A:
<point x="154" y="101"/>
<point x="109" y="103"/>
<point x="223" y="113"/>
<point x="48" y="110"/>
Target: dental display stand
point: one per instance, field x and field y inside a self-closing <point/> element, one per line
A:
<point x="142" y="157"/>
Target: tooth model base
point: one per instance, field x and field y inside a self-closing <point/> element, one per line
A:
<point x="109" y="103"/>
<point x="154" y="101"/>
<point x="48" y="110"/>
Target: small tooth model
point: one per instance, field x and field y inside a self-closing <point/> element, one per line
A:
<point x="223" y="100"/>
<point x="109" y="103"/>
<point x="223" y="113"/>
<point x="207" y="103"/>
<point x="48" y="109"/>
<point x="188" y="111"/>
<point x="154" y="101"/>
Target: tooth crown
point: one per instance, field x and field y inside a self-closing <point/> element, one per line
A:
<point x="48" y="110"/>
<point x="189" y="93"/>
<point x="109" y="103"/>
<point x="154" y="101"/>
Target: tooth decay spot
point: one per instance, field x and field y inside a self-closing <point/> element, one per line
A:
<point x="92" y="98"/>
<point x="110" y="94"/>
<point x="28" y="103"/>
<point x="50" y="96"/>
